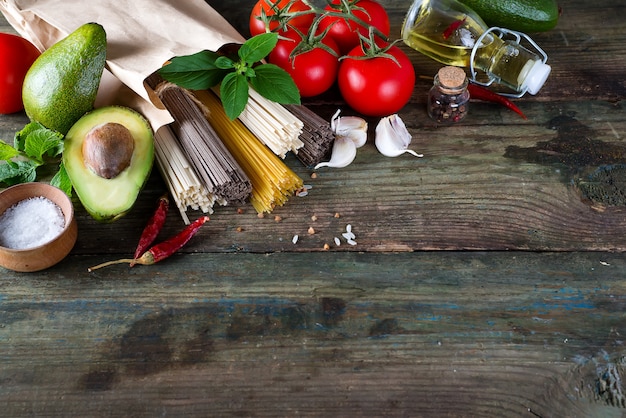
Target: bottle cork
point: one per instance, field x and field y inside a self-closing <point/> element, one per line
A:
<point x="451" y="78"/>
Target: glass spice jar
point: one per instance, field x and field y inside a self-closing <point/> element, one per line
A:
<point x="448" y="98"/>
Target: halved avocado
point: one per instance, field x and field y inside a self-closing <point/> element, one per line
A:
<point x="108" y="156"/>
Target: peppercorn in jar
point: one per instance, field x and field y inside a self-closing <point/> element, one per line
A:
<point x="448" y="99"/>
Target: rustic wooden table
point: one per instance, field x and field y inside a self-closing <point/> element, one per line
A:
<point x="488" y="278"/>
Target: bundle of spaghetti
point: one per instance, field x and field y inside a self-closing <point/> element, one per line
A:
<point x="317" y="135"/>
<point x="219" y="171"/>
<point x="181" y="179"/>
<point x="272" y="124"/>
<point x="272" y="181"/>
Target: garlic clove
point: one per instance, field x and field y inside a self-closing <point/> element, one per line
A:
<point x="342" y="154"/>
<point x="393" y="138"/>
<point x="353" y="127"/>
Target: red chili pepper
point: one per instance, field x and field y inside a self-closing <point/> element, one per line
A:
<point x="153" y="227"/>
<point x="453" y="26"/>
<point x="162" y="250"/>
<point x="481" y="93"/>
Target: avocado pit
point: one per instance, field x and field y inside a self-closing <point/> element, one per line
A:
<point x="108" y="149"/>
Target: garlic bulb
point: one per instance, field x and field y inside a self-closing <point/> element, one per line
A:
<point x="393" y="138"/>
<point x="350" y="134"/>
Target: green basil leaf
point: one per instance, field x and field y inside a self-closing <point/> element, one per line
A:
<point x="7" y="151"/>
<point x="258" y="47"/>
<point x="194" y="72"/>
<point x="18" y="172"/>
<point x="234" y="94"/>
<point x="62" y="180"/>
<point x="275" y="84"/>
<point x="224" y="63"/>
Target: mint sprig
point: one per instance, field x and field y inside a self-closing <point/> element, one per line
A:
<point x="234" y="74"/>
<point x="33" y="147"/>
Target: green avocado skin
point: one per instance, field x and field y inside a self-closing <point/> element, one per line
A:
<point x="62" y="83"/>
<point x="525" y="16"/>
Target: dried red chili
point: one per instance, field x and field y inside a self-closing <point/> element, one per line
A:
<point x="153" y="227"/>
<point x="481" y="93"/>
<point x="162" y="250"/>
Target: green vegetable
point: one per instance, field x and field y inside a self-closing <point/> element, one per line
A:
<point x="34" y="146"/>
<point x="526" y="16"/>
<point x="62" y="84"/>
<point x="108" y="156"/>
<point x="207" y="69"/>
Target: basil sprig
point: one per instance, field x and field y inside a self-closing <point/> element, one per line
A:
<point x="234" y="74"/>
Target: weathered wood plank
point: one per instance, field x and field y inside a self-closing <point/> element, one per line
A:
<point x="426" y="334"/>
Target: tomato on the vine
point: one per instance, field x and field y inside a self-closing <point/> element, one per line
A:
<point x="345" y="31"/>
<point x="278" y="13"/>
<point x="16" y="56"/>
<point x="313" y="68"/>
<point x="376" y="85"/>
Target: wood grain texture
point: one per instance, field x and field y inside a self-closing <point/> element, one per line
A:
<point x="424" y="334"/>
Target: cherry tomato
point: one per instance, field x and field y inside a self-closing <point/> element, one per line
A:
<point x="376" y="86"/>
<point x="314" y="71"/>
<point x="274" y="9"/>
<point x="346" y="32"/>
<point x="16" y="56"/>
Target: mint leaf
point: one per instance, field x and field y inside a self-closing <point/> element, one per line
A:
<point x="194" y="72"/>
<point x="62" y="180"/>
<point x="43" y="142"/>
<point x="275" y="84"/>
<point x="7" y="152"/>
<point x="19" y="140"/>
<point x="18" y="172"/>
<point x="257" y="47"/>
<point x="234" y="94"/>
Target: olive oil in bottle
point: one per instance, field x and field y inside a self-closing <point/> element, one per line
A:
<point x="453" y="34"/>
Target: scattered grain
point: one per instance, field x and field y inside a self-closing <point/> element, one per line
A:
<point x="295" y="239"/>
<point x="326" y="247"/>
<point x="314" y="218"/>
<point x="311" y="231"/>
<point x="278" y="218"/>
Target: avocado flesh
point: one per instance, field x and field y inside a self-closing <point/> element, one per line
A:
<point x="105" y="199"/>
<point x="62" y="83"/>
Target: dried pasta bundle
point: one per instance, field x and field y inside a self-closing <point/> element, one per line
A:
<point x="317" y="135"/>
<point x="272" y="181"/>
<point x="181" y="179"/>
<point x="272" y="124"/>
<point x="215" y="166"/>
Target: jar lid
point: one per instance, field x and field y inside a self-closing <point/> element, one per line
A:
<point x="452" y="78"/>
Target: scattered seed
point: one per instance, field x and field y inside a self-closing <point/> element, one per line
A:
<point x="278" y="218"/>
<point x="240" y="211"/>
<point x="349" y="228"/>
<point x="239" y="229"/>
<point x="314" y="218"/>
<point x="337" y="215"/>
<point x="295" y="239"/>
<point x="326" y="247"/>
<point x="351" y="242"/>
<point x="311" y="231"/>
<point x="348" y="235"/>
<point x="337" y="242"/>
<point x="313" y="175"/>
<point x="260" y="215"/>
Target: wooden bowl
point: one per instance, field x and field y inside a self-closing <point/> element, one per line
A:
<point x="46" y="255"/>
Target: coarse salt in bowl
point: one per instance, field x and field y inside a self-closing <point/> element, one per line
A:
<point x="37" y="226"/>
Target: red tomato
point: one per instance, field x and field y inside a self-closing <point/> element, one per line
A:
<point x="376" y="86"/>
<point x="16" y="57"/>
<point x="346" y="32"/>
<point x="313" y="71"/>
<point x="275" y="14"/>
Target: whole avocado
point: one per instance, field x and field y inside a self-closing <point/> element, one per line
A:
<point x="525" y="16"/>
<point x="62" y="84"/>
